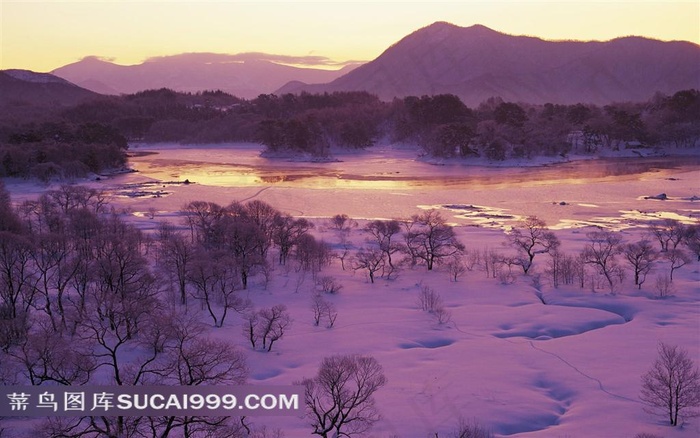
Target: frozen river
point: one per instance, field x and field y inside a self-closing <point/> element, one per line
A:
<point x="390" y="183"/>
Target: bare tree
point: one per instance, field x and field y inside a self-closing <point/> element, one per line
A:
<point x="17" y="274"/>
<point x="287" y="232"/>
<point x="72" y="197"/>
<point x="176" y="256"/>
<point x="372" y="260"/>
<point x="267" y="325"/>
<point x="672" y="385"/>
<point x="344" y="251"/>
<point x="456" y="267"/>
<point x="429" y="239"/>
<point x="601" y="252"/>
<point x="323" y="309"/>
<point x="670" y="233"/>
<point x="491" y="260"/>
<point x="530" y="238"/>
<point x="692" y="240"/>
<point x="677" y="258"/>
<point x="554" y="266"/>
<point x="49" y="356"/>
<point x="313" y="255"/>
<point x="250" y="328"/>
<point x="339" y="400"/>
<point x="201" y="216"/>
<point x="264" y="217"/>
<point x="384" y="233"/>
<point x="241" y="237"/>
<point x="215" y="282"/>
<point x="341" y="222"/>
<point x="641" y="256"/>
<point x="193" y="359"/>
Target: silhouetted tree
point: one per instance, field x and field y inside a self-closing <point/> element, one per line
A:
<point x="672" y="385"/>
<point x="429" y="239"/>
<point x="641" y="256"/>
<point x="530" y="238"/>
<point x="339" y="400"/>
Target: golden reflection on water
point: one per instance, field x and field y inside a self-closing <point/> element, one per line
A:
<point x="334" y="176"/>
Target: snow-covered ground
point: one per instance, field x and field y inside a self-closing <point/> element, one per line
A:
<point x="568" y="368"/>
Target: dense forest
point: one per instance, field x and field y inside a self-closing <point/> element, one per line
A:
<point x="93" y="136"/>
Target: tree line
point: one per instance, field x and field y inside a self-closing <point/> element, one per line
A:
<point x="315" y="123"/>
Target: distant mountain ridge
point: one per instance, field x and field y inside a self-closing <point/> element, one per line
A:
<point x="243" y="75"/>
<point x="23" y="87"/>
<point x="476" y="63"/>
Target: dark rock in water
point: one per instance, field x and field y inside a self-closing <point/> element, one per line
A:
<point x="460" y="207"/>
<point x="660" y="197"/>
<point x="187" y="181"/>
<point x="563" y="203"/>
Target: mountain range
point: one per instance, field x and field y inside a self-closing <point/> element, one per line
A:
<point x="244" y="75"/>
<point x="476" y="63"/>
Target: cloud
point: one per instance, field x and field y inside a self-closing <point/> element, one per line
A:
<point x="223" y="58"/>
<point x="98" y="58"/>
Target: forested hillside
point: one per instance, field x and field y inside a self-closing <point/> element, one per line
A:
<point x="93" y="135"/>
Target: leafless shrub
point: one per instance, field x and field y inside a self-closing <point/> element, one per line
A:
<point x="329" y="284"/>
<point x="264" y="432"/>
<point x="663" y="287"/>
<point x="456" y="267"/>
<point x="471" y="259"/>
<point x="505" y="276"/>
<point x="428" y="299"/>
<point x="442" y="315"/>
<point x="504" y="269"/>
<point x="471" y="430"/>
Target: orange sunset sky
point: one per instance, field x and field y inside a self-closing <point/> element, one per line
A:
<point x="44" y="35"/>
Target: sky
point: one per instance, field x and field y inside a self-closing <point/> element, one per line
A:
<point x="44" y="35"/>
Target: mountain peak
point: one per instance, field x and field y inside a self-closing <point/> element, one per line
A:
<point x="446" y="27"/>
<point x="476" y="63"/>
